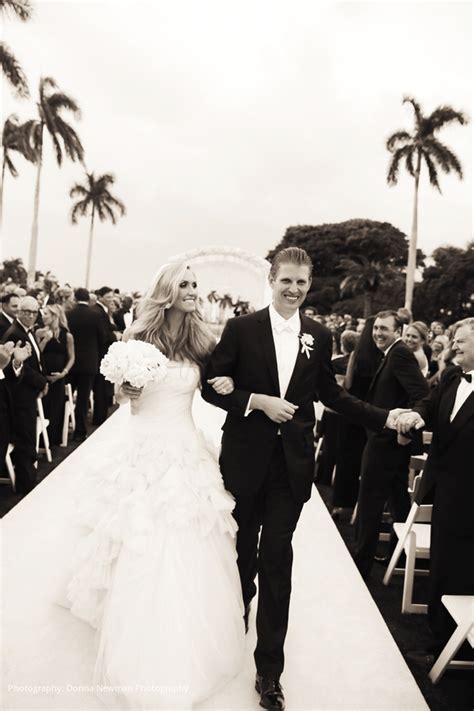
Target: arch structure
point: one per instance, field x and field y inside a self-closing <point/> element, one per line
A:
<point x="228" y="276"/>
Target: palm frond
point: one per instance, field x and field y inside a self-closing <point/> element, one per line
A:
<point x="13" y="72"/>
<point x="59" y="101"/>
<point x="444" y="156"/>
<point x="72" y="143"/>
<point x="78" y="190"/>
<point x="109" y="213"/>
<point x="20" y="9"/>
<point x="416" y="108"/>
<point x="397" y="137"/>
<point x="432" y="172"/>
<point x="399" y="154"/>
<point x="79" y="209"/>
<point x="9" y="164"/>
<point x="446" y="114"/>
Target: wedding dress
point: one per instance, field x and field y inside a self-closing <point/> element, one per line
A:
<point x="155" y="572"/>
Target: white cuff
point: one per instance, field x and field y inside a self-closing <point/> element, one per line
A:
<point x="249" y="409"/>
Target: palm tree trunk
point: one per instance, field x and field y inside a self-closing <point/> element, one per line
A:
<point x="89" y="250"/>
<point x="411" y="266"/>
<point x="34" y="227"/>
<point x="367" y="304"/>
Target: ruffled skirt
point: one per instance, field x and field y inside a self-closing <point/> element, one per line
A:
<point x="155" y="572"/>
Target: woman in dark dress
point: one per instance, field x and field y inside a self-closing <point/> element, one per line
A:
<point x="57" y="346"/>
<point x="351" y="438"/>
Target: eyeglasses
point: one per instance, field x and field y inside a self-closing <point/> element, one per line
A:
<point x="28" y="312"/>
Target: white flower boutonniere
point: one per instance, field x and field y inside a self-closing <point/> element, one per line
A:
<point x="306" y="340"/>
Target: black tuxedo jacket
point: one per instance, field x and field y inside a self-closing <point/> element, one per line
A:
<point x="398" y="382"/>
<point x="246" y="352"/>
<point x="33" y="373"/>
<point x="108" y="330"/>
<point x="4" y="325"/>
<point x="87" y="330"/>
<point x="450" y="465"/>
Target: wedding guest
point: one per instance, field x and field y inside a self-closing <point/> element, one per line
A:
<point x="448" y="412"/>
<point x="9" y="377"/>
<point x="351" y="437"/>
<point x="103" y="390"/>
<point x="9" y="311"/>
<point x="415" y="336"/>
<point x="32" y="385"/>
<point x="123" y="315"/>
<point x="89" y="343"/>
<point x="398" y="382"/>
<point x="57" y="345"/>
<point x="310" y="311"/>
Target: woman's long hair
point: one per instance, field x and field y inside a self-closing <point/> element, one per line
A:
<point x="58" y="319"/>
<point x="194" y="340"/>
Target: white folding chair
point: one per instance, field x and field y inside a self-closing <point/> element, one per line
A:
<point x="10" y="469"/>
<point x="414" y="538"/>
<point x="42" y="429"/>
<point x="69" y="417"/>
<point x="461" y="609"/>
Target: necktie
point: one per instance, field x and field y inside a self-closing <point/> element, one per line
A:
<point x="467" y="376"/>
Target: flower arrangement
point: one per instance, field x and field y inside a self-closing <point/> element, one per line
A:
<point x="133" y="362"/>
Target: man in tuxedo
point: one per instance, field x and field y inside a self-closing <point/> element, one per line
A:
<point x="87" y="330"/>
<point x="103" y="390"/>
<point x="9" y="377"/>
<point x="398" y="382"/>
<point x="280" y="362"/>
<point x="9" y="312"/>
<point x="32" y="385"/>
<point x="448" y="411"/>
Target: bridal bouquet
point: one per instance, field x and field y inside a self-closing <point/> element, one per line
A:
<point x="133" y="362"/>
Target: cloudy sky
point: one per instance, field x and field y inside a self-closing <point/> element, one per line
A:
<point x="226" y="122"/>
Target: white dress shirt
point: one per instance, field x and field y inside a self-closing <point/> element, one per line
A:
<point x="33" y="343"/>
<point x="462" y="393"/>
<point x="286" y="340"/>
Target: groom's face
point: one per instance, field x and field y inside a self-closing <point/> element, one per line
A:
<point x="290" y="286"/>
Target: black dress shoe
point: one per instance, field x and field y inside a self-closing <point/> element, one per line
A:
<point x="246" y="617"/>
<point x="382" y="559"/>
<point x="271" y="693"/>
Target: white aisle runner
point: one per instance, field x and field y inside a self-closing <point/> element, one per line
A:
<point x="339" y="652"/>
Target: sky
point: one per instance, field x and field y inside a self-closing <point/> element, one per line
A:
<point x="227" y="121"/>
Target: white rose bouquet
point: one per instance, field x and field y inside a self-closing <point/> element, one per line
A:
<point x="133" y="362"/>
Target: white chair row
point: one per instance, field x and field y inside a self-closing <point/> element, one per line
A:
<point x="461" y="609"/>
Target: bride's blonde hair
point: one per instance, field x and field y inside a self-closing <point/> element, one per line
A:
<point x="194" y="340"/>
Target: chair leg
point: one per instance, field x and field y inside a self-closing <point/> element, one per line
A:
<point x="65" y="425"/>
<point x="452" y="646"/>
<point x="394" y="560"/>
<point x="410" y="549"/>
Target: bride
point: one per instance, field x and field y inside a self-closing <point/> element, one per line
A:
<point x="156" y="571"/>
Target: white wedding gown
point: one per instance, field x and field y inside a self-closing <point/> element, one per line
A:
<point x="155" y="572"/>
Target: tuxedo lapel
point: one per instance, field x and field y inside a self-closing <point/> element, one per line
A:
<point x="447" y="429"/>
<point x="268" y="347"/>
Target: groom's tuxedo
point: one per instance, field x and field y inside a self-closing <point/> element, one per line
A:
<point x="267" y="466"/>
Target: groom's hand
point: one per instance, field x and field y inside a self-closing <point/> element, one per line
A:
<point x="275" y="408"/>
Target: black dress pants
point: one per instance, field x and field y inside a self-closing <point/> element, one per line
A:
<point x="384" y="477"/>
<point x="82" y="384"/>
<point x="24" y="454"/>
<point x="274" y="513"/>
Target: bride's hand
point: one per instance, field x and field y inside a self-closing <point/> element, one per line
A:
<point x="223" y="384"/>
<point x="129" y="391"/>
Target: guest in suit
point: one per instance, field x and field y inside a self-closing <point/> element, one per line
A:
<point x="123" y="315"/>
<point x="9" y="377"/>
<point x="33" y="384"/>
<point x="449" y="413"/>
<point x="86" y="329"/>
<point x="9" y="312"/>
<point x="398" y="382"/>
<point x="103" y="390"/>
<point x="280" y="362"/>
<point x="57" y="346"/>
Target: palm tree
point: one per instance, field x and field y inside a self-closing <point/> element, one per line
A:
<point x="414" y="147"/>
<point x="95" y="197"/>
<point x="65" y="141"/>
<point x="15" y="137"/>
<point x="10" y="66"/>
<point x="365" y="276"/>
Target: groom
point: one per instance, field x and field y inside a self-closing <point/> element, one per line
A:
<point x="280" y="362"/>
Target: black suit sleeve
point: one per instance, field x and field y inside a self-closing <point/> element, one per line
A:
<point x="223" y="361"/>
<point x="407" y="371"/>
<point x="428" y="406"/>
<point x="334" y="397"/>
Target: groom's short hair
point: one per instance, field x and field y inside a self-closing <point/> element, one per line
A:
<point x="291" y="255"/>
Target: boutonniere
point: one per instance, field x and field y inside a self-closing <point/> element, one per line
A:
<point x="306" y="340"/>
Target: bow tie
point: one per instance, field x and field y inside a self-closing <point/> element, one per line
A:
<point x="467" y="376"/>
<point x="283" y="327"/>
